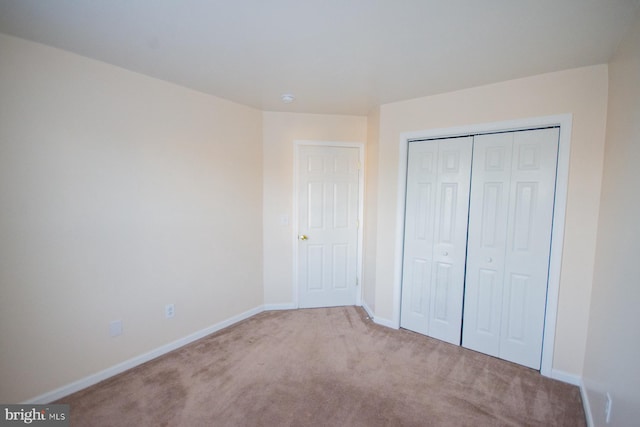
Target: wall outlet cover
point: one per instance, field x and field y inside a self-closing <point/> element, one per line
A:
<point x="169" y="311"/>
<point x="115" y="328"/>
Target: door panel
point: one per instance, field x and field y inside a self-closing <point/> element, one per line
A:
<point x="484" y="307"/>
<point x="443" y="284"/>
<point x="435" y="237"/>
<point x="533" y="179"/>
<point x="511" y="209"/>
<point x="419" y="228"/>
<point x="449" y="249"/>
<point x="328" y="179"/>
<point x="340" y="266"/>
<point x="516" y="303"/>
<point x="488" y="206"/>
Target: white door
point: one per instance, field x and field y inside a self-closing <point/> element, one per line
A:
<point x="511" y="213"/>
<point x="328" y="180"/>
<point x="435" y="237"/>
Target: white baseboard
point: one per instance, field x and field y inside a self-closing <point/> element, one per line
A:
<point x="384" y="322"/>
<point x="586" y="403"/>
<point x="367" y="309"/>
<point x="138" y="360"/>
<point x="577" y="381"/>
<point x="287" y="306"/>
<point x="378" y="320"/>
<point x="566" y="377"/>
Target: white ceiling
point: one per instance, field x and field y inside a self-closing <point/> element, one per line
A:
<point x="335" y="56"/>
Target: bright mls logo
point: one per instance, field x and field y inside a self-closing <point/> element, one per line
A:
<point x="37" y="415"/>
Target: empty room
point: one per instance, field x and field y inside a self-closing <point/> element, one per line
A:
<point x="331" y="213"/>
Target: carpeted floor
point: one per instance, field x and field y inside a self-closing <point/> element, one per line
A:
<point x="325" y="367"/>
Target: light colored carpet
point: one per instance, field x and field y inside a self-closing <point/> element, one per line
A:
<point x="325" y="367"/>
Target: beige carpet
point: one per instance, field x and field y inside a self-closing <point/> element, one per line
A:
<point x="325" y="367"/>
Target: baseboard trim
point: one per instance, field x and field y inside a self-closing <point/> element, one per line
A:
<point x="566" y="377"/>
<point x="287" y="306"/>
<point x="138" y="360"/>
<point x="577" y="381"/>
<point x="384" y="322"/>
<point x="378" y="320"/>
<point x="368" y="310"/>
<point x="586" y="404"/>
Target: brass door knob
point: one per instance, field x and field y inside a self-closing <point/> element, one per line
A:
<point x="303" y="237"/>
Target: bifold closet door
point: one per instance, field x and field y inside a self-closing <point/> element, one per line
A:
<point x="437" y="203"/>
<point x="510" y="218"/>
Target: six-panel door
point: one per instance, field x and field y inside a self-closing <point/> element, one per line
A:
<point x="328" y="180"/>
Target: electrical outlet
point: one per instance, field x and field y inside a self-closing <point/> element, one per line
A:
<point x="115" y="328"/>
<point x="169" y="311"/>
<point x="607" y="409"/>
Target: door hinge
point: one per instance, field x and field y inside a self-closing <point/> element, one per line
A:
<point x="357" y="282"/>
<point x="357" y="223"/>
<point x="359" y="166"/>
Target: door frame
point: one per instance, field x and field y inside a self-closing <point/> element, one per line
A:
<point x="295" y="221"/>
<point x="564" y="121"/>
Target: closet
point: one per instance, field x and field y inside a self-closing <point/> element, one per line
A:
<point x="477" y="237"/>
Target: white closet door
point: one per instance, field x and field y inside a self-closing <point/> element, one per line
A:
<point x="511" y="212"/>
<point x="422" y="178"/>
<point x="489" y="202"/>
<point x="437" y="205"/>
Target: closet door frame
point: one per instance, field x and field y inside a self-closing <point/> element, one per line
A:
<point x="564" y="121"/>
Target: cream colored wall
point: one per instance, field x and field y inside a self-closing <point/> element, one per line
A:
<point x="119" y="194"/>
<point x="582" y="92"/>
<point x="370" y="211"/>
<point x="613" y="344"/>
<point x="279" y="132"/>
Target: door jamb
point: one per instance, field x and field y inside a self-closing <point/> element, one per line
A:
<point x="295" y="242"/>
<point x="564" y="121"/>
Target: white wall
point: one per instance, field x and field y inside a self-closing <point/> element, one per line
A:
<point x="280" y="130"/>
<point x="581" y="92"/>
<point x="119" y="194"/>
<point x="613" y="344"/>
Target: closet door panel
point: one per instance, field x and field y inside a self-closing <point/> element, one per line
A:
<point x="449" y="248"/>
<point x="489" y="205"/>
<point x="437" y="197"/>
<point x="533" y="174"/>
<point x="419" y="235"/>
<point x="510" y="216"/>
